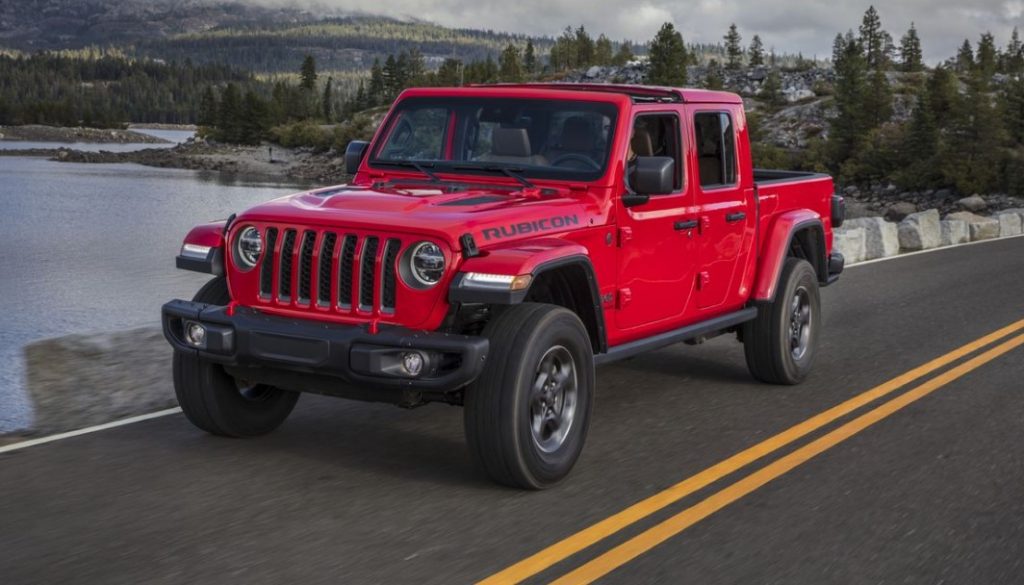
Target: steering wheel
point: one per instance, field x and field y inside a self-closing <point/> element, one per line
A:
<point x="580" y="158"/>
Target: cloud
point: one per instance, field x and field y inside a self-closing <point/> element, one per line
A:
<point x="787" y="25"/>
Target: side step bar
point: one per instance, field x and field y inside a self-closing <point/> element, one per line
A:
<point x="633" y="348"/>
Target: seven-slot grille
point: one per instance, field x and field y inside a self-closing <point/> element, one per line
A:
<point x="335" y="270"/>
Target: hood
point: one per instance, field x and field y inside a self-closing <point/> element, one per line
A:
<point x="491" y="214"/>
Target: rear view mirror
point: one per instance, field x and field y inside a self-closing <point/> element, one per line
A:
<point x="354" y="155"/>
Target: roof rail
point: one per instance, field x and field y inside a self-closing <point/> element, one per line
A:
<point x="646" y="93"/>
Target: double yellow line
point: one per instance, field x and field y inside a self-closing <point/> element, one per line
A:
<point x="645" y="541"/>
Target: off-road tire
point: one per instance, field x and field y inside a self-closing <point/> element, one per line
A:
<point x="213" y="401"/>
<point x="499" y="406"/>
<point x="768" y="339"/>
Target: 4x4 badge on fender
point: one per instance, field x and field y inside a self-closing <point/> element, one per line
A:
<point x="529" y="227"/>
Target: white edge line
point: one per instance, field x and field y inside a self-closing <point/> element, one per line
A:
<point x="176" y="410"/>
<point x="939" y="249"/>
<point x="87" y="430"/>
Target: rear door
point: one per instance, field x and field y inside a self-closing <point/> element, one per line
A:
<point x="726" y="206"/>
<point x="656" y="249"/>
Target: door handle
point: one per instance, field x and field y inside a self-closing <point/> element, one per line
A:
<point x="686" y="224"/>
<point x="734" y="217"/>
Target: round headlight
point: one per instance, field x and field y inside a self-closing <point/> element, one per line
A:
<point x="249" y="246"/>
<point x="426" y="263"/>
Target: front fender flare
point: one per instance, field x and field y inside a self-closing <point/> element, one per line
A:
<point x="209" y="236"/>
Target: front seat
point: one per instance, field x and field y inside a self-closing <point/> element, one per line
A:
<point x="577" y="137"/>
<point x="512" y="145"/>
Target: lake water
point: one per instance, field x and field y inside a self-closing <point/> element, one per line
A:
<point x="89" y="247"/>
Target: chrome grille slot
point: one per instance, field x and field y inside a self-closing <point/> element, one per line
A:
<point x="388" y="285"/>
<point x="306" y="266"/>
<point x="323" y="291"/>
<point x="348" y="255"/>
<point x="284" y="287"/>
<point x="267" y="266"/>
<point x="367" y="271"/>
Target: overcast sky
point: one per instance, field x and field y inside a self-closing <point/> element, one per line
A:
<point x="788" y="25"/>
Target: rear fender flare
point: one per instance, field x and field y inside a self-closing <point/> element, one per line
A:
<point x="777" y="245"/>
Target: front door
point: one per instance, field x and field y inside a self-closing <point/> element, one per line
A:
<point x="656" y="248"/>
<point x="726" y="207"/>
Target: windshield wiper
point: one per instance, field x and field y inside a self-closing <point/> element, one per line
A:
<point x="421" y="167"/>
<point x="511" y="172"/>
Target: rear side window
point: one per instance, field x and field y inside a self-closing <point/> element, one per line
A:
<point x="716" y="148"/>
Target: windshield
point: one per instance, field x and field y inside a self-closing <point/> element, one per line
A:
<point x="554" y="139"/>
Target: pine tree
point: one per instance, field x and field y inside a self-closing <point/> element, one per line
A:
<point x="208" y="108"/>
<point x="624" y="54"/>
<point x="603" y="51"/>
<point x="253" y="123"/>
<point x="877" y="106"/>
<point x="848" y="128"/>
<point x="965" y="58"/>
<point x="530" y="58"/>
<point x="919" y="147"/>
<point x="872" y="39"/>
<point x="771" y="90"/>
<point x="971" y="155"/>
<point x="838" y="48"/>
<point x="449" y="74"/>
<point x="377" y="90"/>
<point x="733" y="48"/>
<point x="1013" y="57"/>
<point x="667" y="58"/>
<point x="756" y="52"/>
<point x="985" y="57"/>
<point x="229" y="119"/>
<point x="911" y="58"/>
<point x="1013" y="111"/>
<point x="308" y="73"/>
<point x="394" y="78"/>
<point x="584" y="48"/>
<point x="714" y="78"/>
<point x="509" y="66"/>
<point x="943" y="91"/>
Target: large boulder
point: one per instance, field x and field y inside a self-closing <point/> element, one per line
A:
<point x="1009" y="224"/>
<point x="850" y="242"/>
<point x="973" y="203"/>
<point x="82" y="380"/>
<point x="881" y="238"/>
<point x="900" y="210"/>
<point x="981" y="228"/>
<point x="1019" y="211"/>
<point x="920" y="231"/>
<point x="954" y="231"/>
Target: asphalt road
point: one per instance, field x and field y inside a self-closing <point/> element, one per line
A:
<point x="931" y="492"/>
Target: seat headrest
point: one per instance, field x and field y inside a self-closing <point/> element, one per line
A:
<point x="577" y="134"/>
<point x="510" y="142"/>
<point x="642" y="143"/>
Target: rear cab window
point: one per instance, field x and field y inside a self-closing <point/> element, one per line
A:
<point x="715" y="142"/>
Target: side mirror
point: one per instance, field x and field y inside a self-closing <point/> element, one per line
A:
<point x="354" y="155"/>
<point x="651" y="175"/>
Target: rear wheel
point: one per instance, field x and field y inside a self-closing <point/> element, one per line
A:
<point x="218" y="403"/>
<point x="527" y="416"/>
<point x="781" y="342"/>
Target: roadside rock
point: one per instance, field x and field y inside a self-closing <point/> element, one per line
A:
<point x="850" y="242"/>
<point x="973" y="203"/>
<point x="87" y="379"/>
<point x="982" y="228"/>
<point x="1009" y="224"/>
<point x="899" y="210"/>
<point x="881" y="238"/>
<point x="920" y="231"/>
<point x="954" y="231"/>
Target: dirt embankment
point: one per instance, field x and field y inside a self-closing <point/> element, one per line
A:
<point x="35" y="133"/>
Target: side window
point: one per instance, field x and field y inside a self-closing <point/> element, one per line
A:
<point x="657" y="135"/>
<point x="716" y="149"/>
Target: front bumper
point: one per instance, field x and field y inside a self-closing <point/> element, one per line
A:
<point x="292" y="352"/>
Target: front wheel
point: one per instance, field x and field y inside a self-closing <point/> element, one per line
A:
<point x="526" y="417"/>
<point x="217" y="403"/>
<point x="781" y="342"/>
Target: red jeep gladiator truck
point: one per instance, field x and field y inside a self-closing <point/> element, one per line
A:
<point x="496" y="244"/>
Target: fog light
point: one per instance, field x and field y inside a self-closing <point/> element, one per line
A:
<point x="195" y="334"/>
<point x="412" y="363"/>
